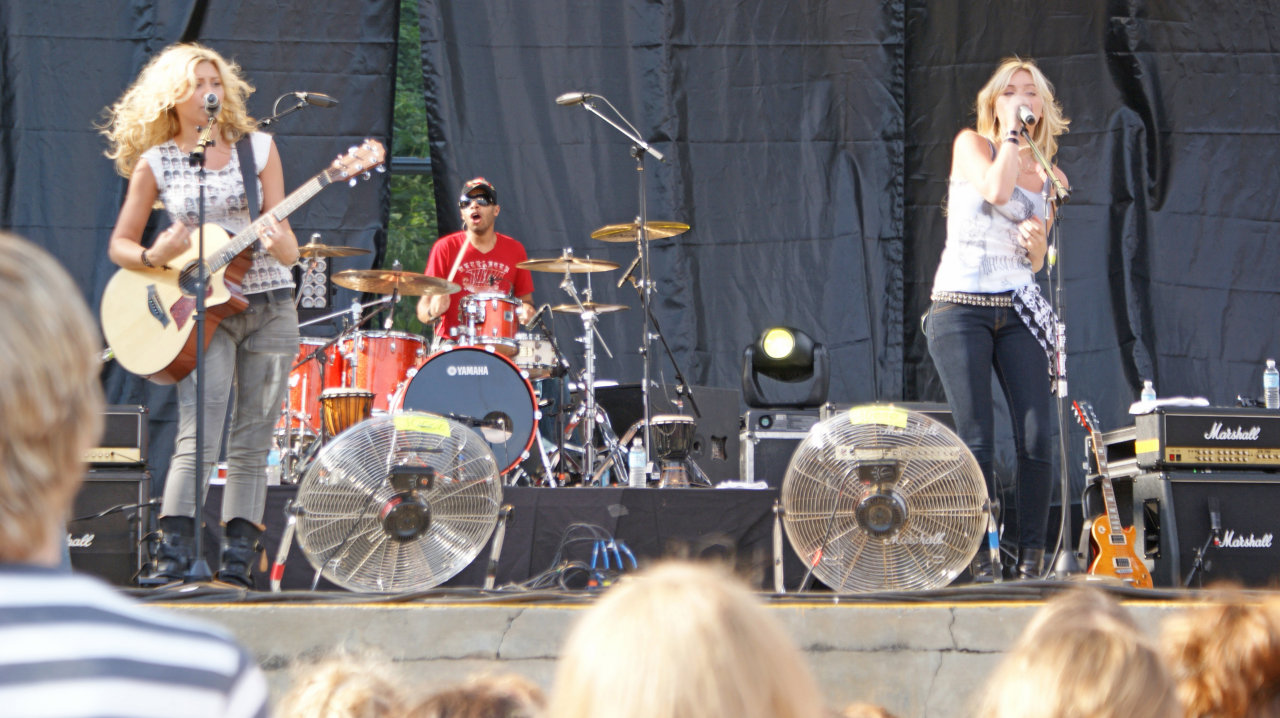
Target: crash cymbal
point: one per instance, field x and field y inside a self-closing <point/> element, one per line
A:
<point x="568" y="263"/>
<point x="386" y="281"/>
<point x="590" y="307"/>
<point x="315" y="249"/>
<point x="627" y="232"/>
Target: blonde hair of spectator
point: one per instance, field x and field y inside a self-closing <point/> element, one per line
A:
<point x="50" y="398"/>
<point x="345" y="684"/>
<point x="682" y="640"/>
<point x="1081" y="655"/>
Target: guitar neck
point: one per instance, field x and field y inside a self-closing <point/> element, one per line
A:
<point x="249" y="235"/>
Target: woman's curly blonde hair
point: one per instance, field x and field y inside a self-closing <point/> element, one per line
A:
<point x="144" y="116"/>
<point x="1052" y="122"/>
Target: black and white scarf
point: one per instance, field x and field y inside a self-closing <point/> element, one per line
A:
<point x="1038" y="315"/>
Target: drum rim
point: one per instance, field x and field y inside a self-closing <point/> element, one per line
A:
<point x="386" y="333"/>
<point x="673" y="419"/>
<point x="484" y="296"/>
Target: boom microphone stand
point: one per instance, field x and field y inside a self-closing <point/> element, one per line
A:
<point x="638" y="150"/>
<point x="1065" y="563"/>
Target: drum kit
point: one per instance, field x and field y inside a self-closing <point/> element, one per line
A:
<point x="483" y="376"/>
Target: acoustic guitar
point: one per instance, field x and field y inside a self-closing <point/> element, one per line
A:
<point x="148" y="315"/>
<point x="1111" y="543"/>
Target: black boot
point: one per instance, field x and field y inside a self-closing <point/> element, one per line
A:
<point x="1029" y="563"/>
<point x="240" y="550"/>
<point x="173" y="554"/>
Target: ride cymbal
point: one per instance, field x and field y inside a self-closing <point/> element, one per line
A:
<point x="629" y="231"/>
<point x="386" y="281"/>
<point x="315" y="249"/>
<point x="590" y="307"/>
<point x="568" y="263"/>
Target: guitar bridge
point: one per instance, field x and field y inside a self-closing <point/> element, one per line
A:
<point x="153" y="306"/>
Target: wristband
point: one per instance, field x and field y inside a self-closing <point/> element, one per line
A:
<point x="146" y="262"/>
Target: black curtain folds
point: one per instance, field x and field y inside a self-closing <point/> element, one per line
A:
<point x="65" y="61"/>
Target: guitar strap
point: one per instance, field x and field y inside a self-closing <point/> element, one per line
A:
<point x="244" y="150"/>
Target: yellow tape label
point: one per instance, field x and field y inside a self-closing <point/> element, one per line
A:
<point x="422" y="424"/>
<point x="885" y="414"/>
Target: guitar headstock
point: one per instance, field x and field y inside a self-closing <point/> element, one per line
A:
<point x="1084" y="414"/>
<point x="358" y="162"/>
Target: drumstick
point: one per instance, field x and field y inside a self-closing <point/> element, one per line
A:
<point x="457" y="261"/>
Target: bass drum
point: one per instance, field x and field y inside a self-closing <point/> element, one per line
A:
<point x="482" y="389"/>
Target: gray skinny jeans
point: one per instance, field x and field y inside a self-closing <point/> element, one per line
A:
<point x="250" y="355"/>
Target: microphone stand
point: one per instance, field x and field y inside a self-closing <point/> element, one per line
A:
<point x="638" y="150"/>
<point x="199" y="570"/>
<point x="1065" y="563"/>
<point x="275" y="116"/>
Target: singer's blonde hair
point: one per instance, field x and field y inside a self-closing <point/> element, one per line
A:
<point x="144" y="116"/>
<point x="1052" y="122"/>
<point x="50" y="397"/>
<point x="680" y="640"/>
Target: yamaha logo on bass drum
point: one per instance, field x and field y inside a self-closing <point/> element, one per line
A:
<point x="468" y="370"/>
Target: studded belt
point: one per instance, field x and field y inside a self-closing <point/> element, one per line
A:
<point x="1004" y="299"/>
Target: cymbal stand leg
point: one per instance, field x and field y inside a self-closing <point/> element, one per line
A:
<point x="589" y="333"/>
<point x="615" y="452"/>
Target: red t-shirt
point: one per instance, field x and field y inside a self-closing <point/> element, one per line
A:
<point x="494" y="271"/>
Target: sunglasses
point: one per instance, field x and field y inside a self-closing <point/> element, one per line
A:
<point x="480" y="200"/>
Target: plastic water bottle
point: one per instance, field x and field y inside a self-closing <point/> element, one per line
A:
<point x="635" y="464"/>
<point x="1148" y="390"/>
<point x="1271" y="385"/>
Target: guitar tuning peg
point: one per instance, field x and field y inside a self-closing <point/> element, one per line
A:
<point x="380" y="169"/>
<point x="352" y="149"/>
<point x="353" y="181"/>
<point x="364" y="175"/>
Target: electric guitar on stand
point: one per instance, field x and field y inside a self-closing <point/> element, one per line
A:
<point x="148" y="315"/>
<point x="1111" y="543"/>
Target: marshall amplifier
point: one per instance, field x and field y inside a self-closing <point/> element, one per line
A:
<point x="124" y="437"/>
<point x="1237" y="513"/>
<point x="1176" y="437"/>
<point x="108" y="520"/>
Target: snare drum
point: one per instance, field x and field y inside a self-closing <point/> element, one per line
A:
<point x="379" y="362"/>
<point x="344" y="408"/>
<point x="536" y="354"/>
<point x="489" y="319"/>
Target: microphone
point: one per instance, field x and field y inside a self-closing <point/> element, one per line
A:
<point x="1026" y="115"/>
<point x="316" y="99"/>
<point x="212" y="105"/>
<point x="573" y="98"/>
<point x="627" y="274"/>
<point x="1215" y="519"/>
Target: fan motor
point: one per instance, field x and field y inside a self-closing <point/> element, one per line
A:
<point x="881" y="513"/>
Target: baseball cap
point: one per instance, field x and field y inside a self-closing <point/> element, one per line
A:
<point x="480" y="183"/>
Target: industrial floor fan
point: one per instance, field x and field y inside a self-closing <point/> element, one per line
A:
<point x="399" y="502"/>
<point x="881" y="498"/>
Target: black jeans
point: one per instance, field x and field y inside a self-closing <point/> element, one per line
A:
<point x="966" y="343"/>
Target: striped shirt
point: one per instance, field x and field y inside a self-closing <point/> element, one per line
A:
<point x="70" y="645"/>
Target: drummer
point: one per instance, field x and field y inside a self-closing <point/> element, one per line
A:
<point x="478" y="258"/>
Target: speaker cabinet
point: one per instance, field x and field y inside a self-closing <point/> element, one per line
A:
<point x="1175" y="512"/>
<point x="104" y="534"/>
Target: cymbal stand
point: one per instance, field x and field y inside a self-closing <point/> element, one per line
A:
<point x="590" y="334"/>
<point x="638" y="150"/>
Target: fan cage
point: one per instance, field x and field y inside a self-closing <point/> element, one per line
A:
<point x="841" y="464"/>
<point x="342" y="497"/>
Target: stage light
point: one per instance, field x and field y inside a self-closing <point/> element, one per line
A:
<point x="784" y="368"/>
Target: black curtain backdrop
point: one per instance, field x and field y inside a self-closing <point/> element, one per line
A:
<point x="808" y="145"/>
<point x="65" y="61"/>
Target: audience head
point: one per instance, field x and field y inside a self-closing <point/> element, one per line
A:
<point x="503" y="696"/>
<point x="865" y="710"/>
<point x="681" y="640"/>
<point x="50" y="399"/>
<point x="344" y="685"/>
<point x="1226" y="657"/>
<point x="1081" y="655"/>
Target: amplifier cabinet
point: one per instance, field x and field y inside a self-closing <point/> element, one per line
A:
<point x="1246" y="439"/>
<point x="1172" y="513"/>
<point x="768" y="439"/>
<point x="124" y="437"/>
<point x="110" y="546"/>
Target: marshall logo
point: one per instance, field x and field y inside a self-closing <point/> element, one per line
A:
<point x="468" y="371"/>
<point x="1217" y="432"/>
<point x="85" y="541"/>
<point x="918" y="540"/>
<point x="1231" y="540"/>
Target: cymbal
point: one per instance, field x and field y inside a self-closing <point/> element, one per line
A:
<point x="627" y="232"/>
<point x="386" y="281"/>
<point x="568" y="263"/>
<point x="590" y="307"/>
<point x="314" y="249"/>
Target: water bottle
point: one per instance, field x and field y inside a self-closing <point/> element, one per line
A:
<point x="1271" y="385"/>
<point x="635" y="464"/>
<point x="1148" y="390"/>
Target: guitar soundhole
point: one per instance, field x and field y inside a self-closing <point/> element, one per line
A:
<point x="188" y="278"/>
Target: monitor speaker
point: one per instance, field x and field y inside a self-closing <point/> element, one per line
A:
<point x="109" y="517"/>
<point x="1175" y="513"/>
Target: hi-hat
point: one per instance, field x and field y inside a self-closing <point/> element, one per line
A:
<point x="315" y="249"/>
<point x="386" y="281"/>
<point x="568" y="263"/>
<point x="631" y="230"/>
<point x="588" y="306"/>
